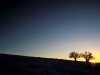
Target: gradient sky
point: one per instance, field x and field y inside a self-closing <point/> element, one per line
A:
<point x="50" y="28"/>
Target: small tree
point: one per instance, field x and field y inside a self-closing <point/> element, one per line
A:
<point x="87" y="56"/>
<point x="74" y="55"/>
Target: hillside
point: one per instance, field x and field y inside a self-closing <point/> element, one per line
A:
<point x="24" y="65"/>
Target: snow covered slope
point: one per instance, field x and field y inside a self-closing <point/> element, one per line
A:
<point x="22" y="65"/>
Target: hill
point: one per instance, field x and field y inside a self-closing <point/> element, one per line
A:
<point x="25" y="65"/>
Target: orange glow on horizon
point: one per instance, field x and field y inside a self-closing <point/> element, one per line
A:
<point x="93" y="61"/>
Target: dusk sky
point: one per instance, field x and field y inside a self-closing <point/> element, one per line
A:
<point x="50" y="28"/>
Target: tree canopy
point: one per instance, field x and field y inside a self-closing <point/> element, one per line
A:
<point x="74" y="55"/>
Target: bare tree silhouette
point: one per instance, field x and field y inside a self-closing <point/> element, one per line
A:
<point x="87" y="56"/>
<point x="74" y="55"/>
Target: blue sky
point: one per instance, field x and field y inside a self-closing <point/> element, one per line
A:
<point x="51" y="28"/>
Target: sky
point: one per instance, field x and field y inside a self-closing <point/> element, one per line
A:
<point x="50" y="28"/>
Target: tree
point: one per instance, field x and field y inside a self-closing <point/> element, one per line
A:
<point x="74" y="55"/>
<point x="87" y="56"/>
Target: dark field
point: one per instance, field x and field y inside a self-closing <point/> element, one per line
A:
<point x="22" y="65"/>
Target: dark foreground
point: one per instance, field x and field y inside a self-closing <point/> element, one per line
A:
<point x="21" y="65"/>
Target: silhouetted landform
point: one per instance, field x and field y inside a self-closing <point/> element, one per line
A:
<point x="23" y="65"/>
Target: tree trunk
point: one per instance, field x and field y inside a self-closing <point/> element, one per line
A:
<point x="75" y="59"/>
<point x="87" y="60"/>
